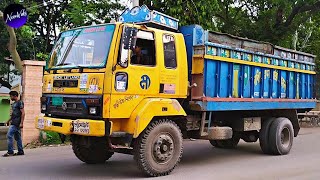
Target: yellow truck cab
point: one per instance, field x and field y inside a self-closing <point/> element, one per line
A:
<point x="141" y="85"/>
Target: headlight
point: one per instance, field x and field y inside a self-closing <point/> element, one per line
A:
<point x="92" y="110"/>
<point x="43" y="107"/>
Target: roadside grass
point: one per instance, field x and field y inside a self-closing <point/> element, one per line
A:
<point x="48" y="138"/>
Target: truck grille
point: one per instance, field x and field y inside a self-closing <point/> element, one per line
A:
<point x="73" y="106"/>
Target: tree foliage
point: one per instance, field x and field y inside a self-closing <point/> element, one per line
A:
<point x="187" y="11"/>
<point x="291" y="24"/>
<point x="46" y="19"/>
<point x="49" y="18"/>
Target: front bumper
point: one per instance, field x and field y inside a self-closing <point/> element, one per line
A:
<point x="85" y="127"/>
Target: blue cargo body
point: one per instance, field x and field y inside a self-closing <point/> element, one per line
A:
<point x="234" y="73"/>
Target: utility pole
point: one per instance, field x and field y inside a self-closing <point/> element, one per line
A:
<point x="135" y="3"/>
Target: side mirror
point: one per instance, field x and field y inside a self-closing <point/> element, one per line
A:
<point x="129" y="39"/>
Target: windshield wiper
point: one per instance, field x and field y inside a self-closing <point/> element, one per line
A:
<point x="63" y="64"/>
<point x="82" y="66"/>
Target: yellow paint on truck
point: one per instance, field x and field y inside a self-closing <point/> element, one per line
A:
<point x="123" y="108"/>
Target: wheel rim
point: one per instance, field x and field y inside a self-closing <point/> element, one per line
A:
<point x="163" y="148"/>
<point x="285" y="137"/>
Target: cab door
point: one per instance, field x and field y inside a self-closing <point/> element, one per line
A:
<point x="139" y="79"/>
<point x="169" y="73"/>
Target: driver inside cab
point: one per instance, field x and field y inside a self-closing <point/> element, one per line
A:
<point x="137" y="57"/>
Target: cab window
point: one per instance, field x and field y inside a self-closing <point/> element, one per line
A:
<point x="144" y="51"/>
<point x="170" y="59"/>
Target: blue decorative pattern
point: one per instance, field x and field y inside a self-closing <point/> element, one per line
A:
<point x="144" y="15"/>
<point x="233" y="106"/>
<point x="199" y="37"/>
<point x="233" y="81"/>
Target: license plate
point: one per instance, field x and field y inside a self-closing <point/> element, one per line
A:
<point x="41" y="123"/>
<point x="57" y="101"/>
<point x="81" y="127"/>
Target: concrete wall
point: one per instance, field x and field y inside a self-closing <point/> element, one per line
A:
<point x="31" y="93"/>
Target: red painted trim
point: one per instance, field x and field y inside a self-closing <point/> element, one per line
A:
<point x="254" y="100"/>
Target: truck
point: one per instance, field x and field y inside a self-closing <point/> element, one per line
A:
<point x="142" y="84"/>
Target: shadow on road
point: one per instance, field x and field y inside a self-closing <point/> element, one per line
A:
<point x="199" y="155"/>
<point x="123" y="166"/>
<point x="64" y="165"/>
<point x="208" y="154"/>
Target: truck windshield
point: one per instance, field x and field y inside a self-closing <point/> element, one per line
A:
<point x="86" y="47"/>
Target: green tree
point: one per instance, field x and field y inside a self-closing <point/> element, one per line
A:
<point x="47" y="18"/>
<point x="187" y="11"/>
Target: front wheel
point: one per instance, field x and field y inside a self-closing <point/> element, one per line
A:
<point x="158" y="149"/>
<point x="91" y="150"/>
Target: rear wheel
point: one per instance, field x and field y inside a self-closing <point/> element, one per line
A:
<point x="264" y="135"/>
<point x="281" y="136"/>
<point x="91" y="150"/>
<point x="158" y="149"/>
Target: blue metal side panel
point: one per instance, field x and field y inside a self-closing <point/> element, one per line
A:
<point x="187" y="32"/>
<point x="236" y="82"/>
<point x="223" y="92"/>
<point x="313" y="83"/>
<point x="266" y="79"/>
<point x="291" y="85"/>
<point x="275" y="84"/>
<point x="309" y="86"/>
<point x="298" y="86"/>
<point x="246" y="81"/>
<point x="230" y="106"/>
<point x="303" y="86"/>
<point x="210" y="78"/>
<point x="283" y="84"/>
<point x="257" y="81"/>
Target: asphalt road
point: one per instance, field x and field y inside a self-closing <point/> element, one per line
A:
<point x="200" y="161"/>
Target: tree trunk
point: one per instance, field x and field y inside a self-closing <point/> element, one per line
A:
<point x="12" y="46"/>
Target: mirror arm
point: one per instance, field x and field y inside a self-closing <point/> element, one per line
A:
<point x="114" y="67"/>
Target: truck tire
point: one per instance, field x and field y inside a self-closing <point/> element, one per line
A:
<point x="158" y="150"/>
<point x="281" y="136"/>
<point x="228" y="143"/>
<point x="264" y="135"/>
<point x="213" y="143"/>
<point x="91" y="150"/>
